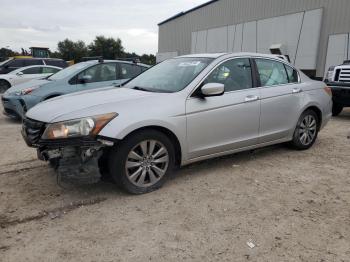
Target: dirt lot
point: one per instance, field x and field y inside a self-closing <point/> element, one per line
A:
<point x="294" y="206"/>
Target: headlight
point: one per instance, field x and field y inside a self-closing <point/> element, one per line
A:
<point x="330" y="74"/>
<point x="88" y="126"/>
<point x="24" y="91"/>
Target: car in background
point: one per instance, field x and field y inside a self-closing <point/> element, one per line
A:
<point x="338" y="79"/>
<point x="79" y="77"/>
<point x="14" y="63"/>
<point x="183" y="110"/>
<point x="25" y="74"/>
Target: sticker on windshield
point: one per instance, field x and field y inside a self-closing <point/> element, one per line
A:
<point x="193" y="63"/>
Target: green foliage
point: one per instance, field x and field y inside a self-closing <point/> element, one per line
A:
<point x="5" y="53"/>
<point x="107" y="47"/>
<point x="69" y="50"/>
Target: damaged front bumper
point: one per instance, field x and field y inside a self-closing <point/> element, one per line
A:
<point x="75" y="161"/>
<point x="74" y="158"/>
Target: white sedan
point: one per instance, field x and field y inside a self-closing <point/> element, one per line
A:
<point x="26" y="74"/>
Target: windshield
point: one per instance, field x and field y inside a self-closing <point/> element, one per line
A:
<point x="170" y="76"/>
<point x="67" y="71"/>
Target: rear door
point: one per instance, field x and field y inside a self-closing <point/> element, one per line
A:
<point x="222" y="123"/>
<point x="281" y="99"/>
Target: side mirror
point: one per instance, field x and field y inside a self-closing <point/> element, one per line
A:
<point x="213" y="89"/>
<point x="20" y="73"/>
<point x="85" y="79"/>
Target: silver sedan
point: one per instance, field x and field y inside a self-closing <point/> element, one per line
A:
<point x="183" y="110"/>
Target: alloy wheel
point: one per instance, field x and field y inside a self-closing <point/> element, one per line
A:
<point x="308" y="130"/>
<point x="147" y="163"/>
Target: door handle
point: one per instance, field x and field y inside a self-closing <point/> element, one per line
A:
<point x="251" y="99"/>
<point x="297" y="90"/>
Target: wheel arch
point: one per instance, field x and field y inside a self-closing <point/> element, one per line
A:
<point x="6" y="81"/>
<point x="51" y="96"/>
<point x="318" y="112"/>
<point x="174" y="139"/>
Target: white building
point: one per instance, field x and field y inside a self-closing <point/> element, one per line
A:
<point x="313" y="33"/>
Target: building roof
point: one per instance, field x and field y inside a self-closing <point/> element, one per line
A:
<point x="186" y="12"/>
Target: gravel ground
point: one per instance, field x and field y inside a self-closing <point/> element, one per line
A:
<point x="292" y="206"/>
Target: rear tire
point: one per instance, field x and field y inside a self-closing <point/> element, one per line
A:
<point x="141" y="163"/>
<point x="336" y="109"/>
<point x="306" y="132"/>
<point x="4" y="85"/>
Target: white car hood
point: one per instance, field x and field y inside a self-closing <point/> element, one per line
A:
<point x="87" y="103"/>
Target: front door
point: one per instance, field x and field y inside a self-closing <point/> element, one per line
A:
<point x="100" y="75"/>
<point x="223" y="123"/>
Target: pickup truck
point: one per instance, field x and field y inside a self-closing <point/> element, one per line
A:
<point x="338" y="79"/>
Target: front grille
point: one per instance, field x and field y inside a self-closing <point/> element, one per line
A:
<point x="344" y="75"/>
<point x="32" y="131"/>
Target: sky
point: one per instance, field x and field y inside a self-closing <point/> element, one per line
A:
<point x="26" y="23"/>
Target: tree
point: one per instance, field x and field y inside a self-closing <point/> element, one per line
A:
<point x="148" y="59"/>
<point x="108" y="48"/>
<point x="6" y="52"/>
<point x="70" y="50"/>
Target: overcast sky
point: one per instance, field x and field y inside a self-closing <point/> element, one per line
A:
<point x="25" y="23"/>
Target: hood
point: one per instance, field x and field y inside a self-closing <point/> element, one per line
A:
<point x="30" y="84"/>
<point x="87" y="103"/>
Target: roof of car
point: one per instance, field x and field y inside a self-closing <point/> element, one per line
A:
<point x="119" y="61"/>
<point x="35" y="58"/>
<point x="217" y="55"/>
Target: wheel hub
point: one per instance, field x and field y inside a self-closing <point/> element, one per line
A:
<point x="147" y="162"/>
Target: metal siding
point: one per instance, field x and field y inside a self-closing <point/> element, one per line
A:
<point x="175" y="35"/>
<point x="309" y="39"/>
<point x="337" y="50"/>
<point x="237" y="44"/>
<point x="249" y="37"/>
<point x="217" y="40"/>
<point x="230" y="37"/>
<point x="201" y="45"/>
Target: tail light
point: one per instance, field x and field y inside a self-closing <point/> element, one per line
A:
<point x="328" y="90"/>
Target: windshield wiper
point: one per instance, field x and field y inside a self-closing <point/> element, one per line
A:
<point x="141" y="89"/>
<point x="153" y="90"/>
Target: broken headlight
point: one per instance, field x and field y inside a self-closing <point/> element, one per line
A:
<point x="88" y="126"/>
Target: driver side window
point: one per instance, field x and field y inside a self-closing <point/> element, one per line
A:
<point x="271" y="72"/>
<point x="235" y="74"/>
<point x="100" y="73"/>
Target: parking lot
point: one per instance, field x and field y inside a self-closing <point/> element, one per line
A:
<point x="292" y="205"/>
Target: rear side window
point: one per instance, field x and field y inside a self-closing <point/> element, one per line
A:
<point x="235" y="74"/>
<point x="129" y="71"/>
<point x="271" y="72"/>
<point x="32" y="70"/>
<point x="292" y="74"/>
<point x="49" y="70"/>
<point x="58" y="63"/>
<point x="16" y="63"/>
<point x="30" y="62"/>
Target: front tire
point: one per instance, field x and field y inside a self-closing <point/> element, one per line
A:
<point x="141" y="163"/>
<point x="306" y="132"/>
<point x="336" y="109"/>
